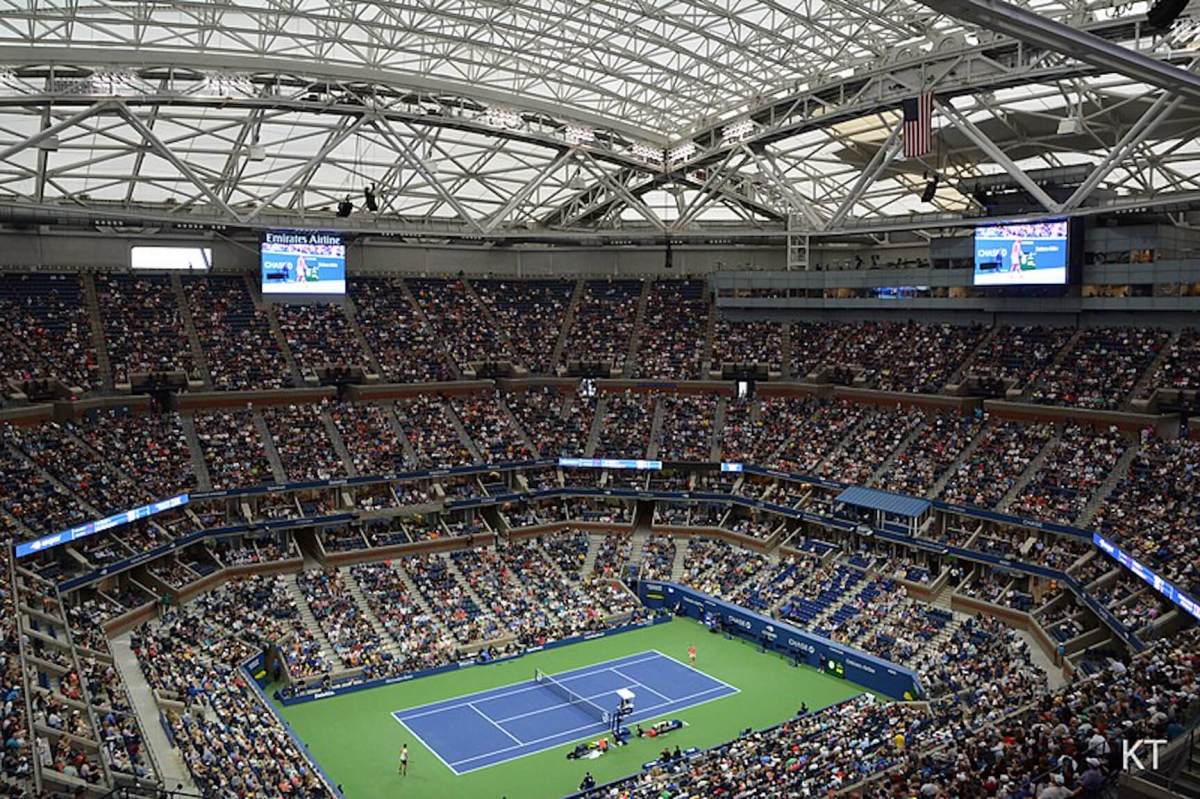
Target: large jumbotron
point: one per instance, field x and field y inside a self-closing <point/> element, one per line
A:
<point x="466" y="399"/>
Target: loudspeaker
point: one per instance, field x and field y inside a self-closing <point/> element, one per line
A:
<point x="1162" y="15"/>
<point x="930" y="189"/>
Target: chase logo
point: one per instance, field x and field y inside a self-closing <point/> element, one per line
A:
<point x="745" y="624"/>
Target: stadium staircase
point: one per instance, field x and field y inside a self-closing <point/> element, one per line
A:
<point x="593" y="440"/>
<point x="681" y="548"/>
<point x="268" y="442"/>
<point x="1115" y="476"/>
<point x="465" y="585"/>
<point x="464" y="437"/>
<point x="595" y="540"/>
<point x="339" y="445"/>
<point x="484" y="310"/>
<point x="964" y="368"/>
<point x="888" y="462"/>
<point x="413" y="591"/>
<point x="635" y="335"/>
<point x="393" y="420"/>
<point x="351" y="312"/>
<point x="390" y="645"/>
<point x="948" y="474"/>
<point x="1061" y="355"/>
<point x="656" y="429"/>
<point x="522" y="434"/>
<point x="1030" y="472"/>
<point x="420" y="314"/>
<point x="199" y="360"/>
<point x="203" y="480"/>
<point x="60" y="486"/>
<point x="568" y="320"/>
<point x="170" y="765"/>
<point x="714" y="450"/>
<point x="836" y="448"/>
<point x="276" y="331"/>
<point x="785" y="357"/>
<point x="97" y="326"/>
<point x="310" y="621"/>
<point x="1139" y="388"/>
<point x="710" y="327"/>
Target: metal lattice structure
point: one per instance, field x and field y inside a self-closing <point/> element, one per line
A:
<point x="560" y="118"/>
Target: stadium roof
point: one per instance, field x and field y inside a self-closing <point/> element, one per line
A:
<point x="494" y="118"/>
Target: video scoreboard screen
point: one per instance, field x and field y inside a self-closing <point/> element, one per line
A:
<point x="1027" y="254"/>
<point x="302" y="262"/>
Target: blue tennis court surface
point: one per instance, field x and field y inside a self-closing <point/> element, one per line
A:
<point x="480" y="730"/>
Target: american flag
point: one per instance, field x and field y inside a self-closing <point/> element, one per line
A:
<point x="918" y="125"/>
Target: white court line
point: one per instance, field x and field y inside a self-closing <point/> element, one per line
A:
<point x="701" y="673"/>
<point x="597" y="725"/>
<point x="597" y="668"/>
<point x="640" y="685"/>
<point x="489" y="720"/>
<point x="413" y="733"/>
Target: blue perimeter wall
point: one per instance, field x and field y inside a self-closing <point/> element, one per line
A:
<point x="879" y="675"/>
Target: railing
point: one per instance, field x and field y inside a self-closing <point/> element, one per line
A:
<point x="149" y="792"/>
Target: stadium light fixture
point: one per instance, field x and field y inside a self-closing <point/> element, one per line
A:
<point x="577" y="134"/>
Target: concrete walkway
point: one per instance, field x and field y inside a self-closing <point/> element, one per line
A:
<point x="170" y="765"/>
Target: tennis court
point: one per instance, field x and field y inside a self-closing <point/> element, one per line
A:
<point x="482" y="729"/>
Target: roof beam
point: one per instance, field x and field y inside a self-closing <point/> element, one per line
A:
<point x="1026" y="26"/>
<point x="999" y="156"/>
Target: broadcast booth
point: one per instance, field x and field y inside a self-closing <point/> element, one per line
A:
<point x="883" y="509"/>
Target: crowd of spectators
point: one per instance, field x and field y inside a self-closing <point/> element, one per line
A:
<point x="143" y="328"/>
<point x="756" y="430"/>
<point x="687" y="427"/>
<point x="406" y="347"/>
<point x="739" y="341"/>
<point x="818" y="435"/>
<point x="319" y="335"/>
<point x="369" y="432"/>
<point x="233" y="449"/>
<point x="558" y="423"/>
<point x="716" y="567"/>
<point x="433" y="437"/>
<point x="1068" y="478"/>
<point x="868" y="446"/>
<point x="1014" y="353"/>
<point x="16" y="762"/>
<point x="303" y="442"/>
<point x="814" y="754"/>
<point x="343" y="622"/>
<point x="149" y="448"/>
<point x="1002" y="454"/>
<point x="603" y="322"/>
<point x="1100" y="370"/>
<point x="461" y="328"/>
<point x="420" y="637"/>
<point x="1154" y="511"/>
<point x="1180" y="367"/>
<point x="239" y="347"/>
<point x="46" y="331"/>
<point x="673" y="332"/>
<point x="628" y="418"/>
<point x="491" y="429"/>
<point x="33" y="500"/>
<point x="918" y="468"/>
<point x="1065" y="743"/>
<point x="229" y="741"/>
<point x="531" y="314"/>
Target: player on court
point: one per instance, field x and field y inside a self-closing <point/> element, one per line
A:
<point x="692" y="653"/>
<point x="404" y="760"/>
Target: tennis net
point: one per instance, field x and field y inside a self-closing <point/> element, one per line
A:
<point x="581" y="702"/>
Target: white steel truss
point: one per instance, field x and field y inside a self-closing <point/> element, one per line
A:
<point x="560" y="118"/>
